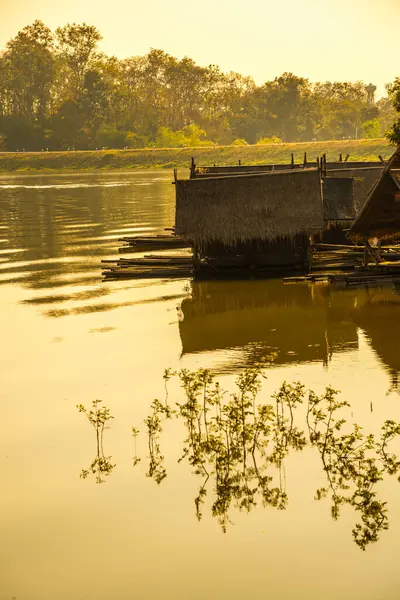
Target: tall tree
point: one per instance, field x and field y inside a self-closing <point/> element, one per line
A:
<point x="394" y="95"/>
<point x="77" y="49"/>
<point x="27" y="79"/>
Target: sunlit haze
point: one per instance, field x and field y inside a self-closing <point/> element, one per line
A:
<point x="323" y="41"/>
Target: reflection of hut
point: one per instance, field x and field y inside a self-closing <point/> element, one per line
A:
<point x="380" y="321"/>
<point x="380" y="215"/>
<point x="258" y="318"/>
<point x="261" y="220"/>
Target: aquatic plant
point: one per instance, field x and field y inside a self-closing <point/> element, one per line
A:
<point x="98" y="416"/>
<point x="241" y="445"/>
<point x="136" y="459"/>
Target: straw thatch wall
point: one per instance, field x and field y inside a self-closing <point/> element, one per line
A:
<point x="281" y="252"/>
<point x="364" y="177"/>
<point x="380" y="215"/>
<point x="338" y="194"/>
<point x="237" y="209"/>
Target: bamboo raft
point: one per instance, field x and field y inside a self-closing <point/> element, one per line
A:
<point x="330" y="263"/>
<point x="142" y="243"/>
<point x="150" y="266"/>
<point x="345" y="265"/>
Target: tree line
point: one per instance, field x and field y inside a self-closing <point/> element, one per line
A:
<point x="59" y="92"/>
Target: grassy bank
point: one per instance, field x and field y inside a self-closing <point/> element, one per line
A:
<point x="180" y="157"/>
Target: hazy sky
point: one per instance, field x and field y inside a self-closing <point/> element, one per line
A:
<point x="322" y="40"/>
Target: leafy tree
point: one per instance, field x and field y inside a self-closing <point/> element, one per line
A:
<point x="27" y="79"/>
<point x="371" y="129"/>
<point x="394" y="94"/>
<point x="58" y="91"/>
<point x="287" y="106"/>
<point x="269" y="140"/>
<point x="192" y="136"/>
<point x="77" y="49"/>
<point x="386" y="114"/>
<point x="239" y="142"/>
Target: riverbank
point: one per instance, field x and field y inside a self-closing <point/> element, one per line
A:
<point x="150" y="158"/>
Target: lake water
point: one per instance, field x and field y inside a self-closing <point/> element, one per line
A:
<point x="68" y="338"/>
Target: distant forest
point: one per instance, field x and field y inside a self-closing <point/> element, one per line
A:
<point x="58" y="92"/>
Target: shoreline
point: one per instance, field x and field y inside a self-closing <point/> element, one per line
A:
<point x="169" y="158"/>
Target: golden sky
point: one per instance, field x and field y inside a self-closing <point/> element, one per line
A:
<point x="321" y="40"/>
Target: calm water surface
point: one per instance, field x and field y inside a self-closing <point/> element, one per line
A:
<point x="68" y="338"/>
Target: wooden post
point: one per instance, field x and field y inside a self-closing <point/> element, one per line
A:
<point x="318" y="165"/>
<point x="347" y="157"/>
<point x="375" y="255"/>
<point x="324" y="165"/>
<point x="340" y="158"/>
<point x="292" y="163"/>
<point x="192" y="169"/>
<point x="380" y="158"/>
<point x="240" y="162"/>
<point x="305" y="160"/>
<point x="196" y="257"/>
<point x="310" y="253"/>
<point x="365" y="261"/>
<point x="379" y="251"/>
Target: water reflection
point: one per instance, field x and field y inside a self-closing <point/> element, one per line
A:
<point x="379" y="319"/>
<point x="56" y="228"/>
<point x="238" y="448"/>
<point x="299" y="323"/>
<point x="107" y="306"/>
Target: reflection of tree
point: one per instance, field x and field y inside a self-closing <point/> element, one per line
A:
<point x="136" y="459"/>
<point x="98" y="416"/>
<point x="231" y="442"/>
<point x="354" y="463"/>
<point x="238" y="448"/>
<point x="154" y="428"/>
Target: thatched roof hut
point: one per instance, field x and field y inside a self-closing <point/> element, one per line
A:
<point x="380" y="215"/>
<point x="236" y="209"/>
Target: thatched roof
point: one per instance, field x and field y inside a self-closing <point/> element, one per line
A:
<point x="380" y="216"/>
<point x="234" y="209"/>
<point x="220" y="170"/>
